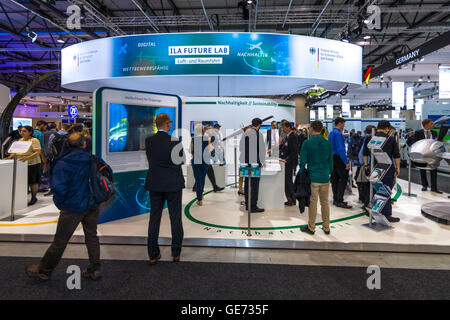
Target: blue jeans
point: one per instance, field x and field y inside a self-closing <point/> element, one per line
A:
<point x="200" y="176"/>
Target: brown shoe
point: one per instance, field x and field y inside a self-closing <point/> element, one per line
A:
<point x="93" y="275"/>
<point x="33" y="272"/>
<point x="154" y="261"/>
<point x="176" y="259"/>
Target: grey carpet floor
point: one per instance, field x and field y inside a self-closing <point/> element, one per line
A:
<point x="222" y="281"/>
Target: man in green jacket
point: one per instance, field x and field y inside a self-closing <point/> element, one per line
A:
<point x="317" y="155"/>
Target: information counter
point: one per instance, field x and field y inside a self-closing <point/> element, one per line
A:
<point x="271" y="186"/>
<point x="6" y="182"/>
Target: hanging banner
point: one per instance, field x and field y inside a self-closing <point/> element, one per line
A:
<point x="433" y="45"/>
<point x="321" y="113"/>
<point x="330" y="111"/>
<point x="312" y="115"/>
<point x="444" y="82"/>
<point x="410" y="98"/>
<point x="419" y="103"/>
<point x="398" y="95"/>
<point x="345" y="108"/>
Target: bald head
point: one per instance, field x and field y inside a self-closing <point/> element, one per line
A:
<point x="76" y="140"/>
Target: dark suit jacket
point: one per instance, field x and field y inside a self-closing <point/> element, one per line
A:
<point x="163" y="175"/>
<point x="291" y="151"/>
<point x="420" y="135"/>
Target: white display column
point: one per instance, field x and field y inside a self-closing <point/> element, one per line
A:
<point x="4" y="97"/>
<point x="271" y="186"/>
<point x="6" y="182"/>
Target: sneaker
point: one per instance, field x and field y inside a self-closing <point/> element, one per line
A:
<point x="93" y="275"/>
<point x="393" y="219"/>
<point x="307" y="230"/>
<point x="424" y="188"/>
<point x="33" y="272"/>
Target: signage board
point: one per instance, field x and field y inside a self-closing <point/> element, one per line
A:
<point x="72" y="111"/>
<point x="444" y="82"/>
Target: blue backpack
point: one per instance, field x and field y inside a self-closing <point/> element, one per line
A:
<point x="101" y="181"/>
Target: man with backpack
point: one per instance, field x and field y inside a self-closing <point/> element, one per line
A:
<point x="56" y="146"/>
<point x="75" y="175"/>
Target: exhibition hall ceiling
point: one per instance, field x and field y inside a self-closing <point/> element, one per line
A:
<point x="33" y="32"/>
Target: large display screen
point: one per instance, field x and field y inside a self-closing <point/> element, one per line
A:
<point x="21" y="122"/>
<point x="130" y="125"/>
<point x="212" y="53"/>
<point x="204" y="123"/>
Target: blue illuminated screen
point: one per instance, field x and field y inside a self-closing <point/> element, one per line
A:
<point x="130" y="125"/>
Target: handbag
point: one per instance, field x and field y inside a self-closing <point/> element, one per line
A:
<point x="362" y="176"/>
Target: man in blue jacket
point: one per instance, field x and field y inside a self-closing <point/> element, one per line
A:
<point x="341" y="165"/>
<point x="72" y="195"/>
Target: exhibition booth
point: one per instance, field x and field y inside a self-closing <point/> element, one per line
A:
<point x="210" y="78"/>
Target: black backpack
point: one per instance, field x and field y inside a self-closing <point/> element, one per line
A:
<point x="354" y="148"/>
<point x="59" y="145"/>
<point x="101" y="181"/>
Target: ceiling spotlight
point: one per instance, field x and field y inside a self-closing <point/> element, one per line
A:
<point x="60" y="40"/>
<point x="367" y="37"/>
<point x="429" y="80"/>
<point x="421" y="78"/>
<point x="421" y="59"/>
<point x="31" y="34"/>
<point x="345" y="37"/>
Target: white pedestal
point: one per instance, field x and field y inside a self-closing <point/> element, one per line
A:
<point x="220" y="173"/>
<point x="271" y="189"/>
<point x="6" y="181"/>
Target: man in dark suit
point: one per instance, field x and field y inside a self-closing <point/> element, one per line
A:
<point x="165" y="182"/>
<point x="421" y="134"/>
<point x="253" y="151"/>
<point x="289" y="154"/>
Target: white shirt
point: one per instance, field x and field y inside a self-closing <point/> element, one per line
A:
<point x="275" y="139"/>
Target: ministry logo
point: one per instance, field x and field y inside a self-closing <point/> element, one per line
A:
<point x="76" y="58"/>
<point x="313" y="51"/>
